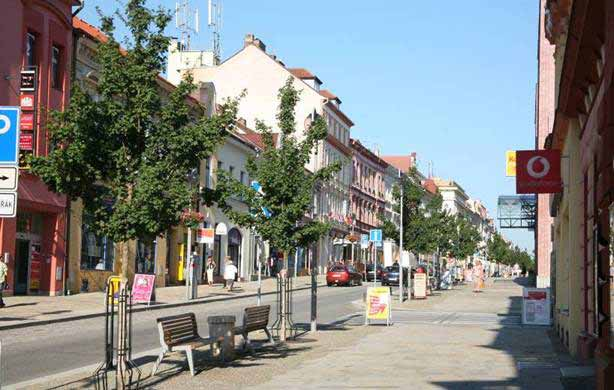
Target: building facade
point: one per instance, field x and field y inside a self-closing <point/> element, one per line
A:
<point x="261" y="75"/>
<point x="37" y="36"/>
<point x="544" y="118"/>
<point x="583" y="129"/>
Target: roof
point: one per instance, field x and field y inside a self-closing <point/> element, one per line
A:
<point x="402" y="163"/>
<point x="253" y="137"/>
<point x="329" y="95"/>
<point x="340" y="114"/>
<point x="367" y="153"/>
<point x="303" y="73"/>
<point x="430" y="186"/>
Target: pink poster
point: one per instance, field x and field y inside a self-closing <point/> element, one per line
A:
<point x="142" y="288"/>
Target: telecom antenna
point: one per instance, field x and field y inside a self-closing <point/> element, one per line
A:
<point x="186" y="20"/>
<point x="214" y="22"/>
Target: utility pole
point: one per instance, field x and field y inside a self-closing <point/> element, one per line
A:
<point x="401" y="290"/>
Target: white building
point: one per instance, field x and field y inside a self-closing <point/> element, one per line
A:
<point x="261" y="75"/>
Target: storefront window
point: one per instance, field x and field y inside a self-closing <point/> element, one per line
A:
<point x="145" y="256"/>
<point x="97" y="252"/>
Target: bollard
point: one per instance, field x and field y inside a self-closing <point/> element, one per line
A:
<point x="222" y="326"/>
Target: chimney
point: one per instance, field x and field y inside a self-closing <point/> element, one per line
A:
<point x="242" y="122"/>
<point x="250" y="39"/>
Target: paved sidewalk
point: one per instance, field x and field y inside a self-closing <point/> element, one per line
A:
<point x="453" y="340"/>
<point x="33" y="310"/>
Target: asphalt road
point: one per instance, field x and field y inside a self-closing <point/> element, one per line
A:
<point x="40" y="351"/>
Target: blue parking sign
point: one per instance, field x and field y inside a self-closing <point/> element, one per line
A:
<point x="375" y="235"/>
<point x="9" y="135"/>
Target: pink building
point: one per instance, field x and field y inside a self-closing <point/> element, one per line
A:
<point x="544" y="119"/>
<point x="37" y="36"/>
<point x="367" y="191"/>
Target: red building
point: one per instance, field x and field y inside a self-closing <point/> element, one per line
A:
<point x="36" y="35"/>
<point x="583" y="33"/>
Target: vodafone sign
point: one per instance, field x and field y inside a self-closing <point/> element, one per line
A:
<point x="538" y="171"/>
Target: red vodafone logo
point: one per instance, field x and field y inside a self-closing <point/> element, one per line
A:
<point x="538" y="167"/>
<point x="538" y="171"/>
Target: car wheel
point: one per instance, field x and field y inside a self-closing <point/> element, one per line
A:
<point x="329" y="284"/>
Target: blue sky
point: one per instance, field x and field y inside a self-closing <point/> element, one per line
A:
<point x="451" y="80"/>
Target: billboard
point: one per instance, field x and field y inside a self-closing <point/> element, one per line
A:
<point x="538" y="172"/>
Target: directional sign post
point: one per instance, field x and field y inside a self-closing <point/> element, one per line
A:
<point x="9" y="158"/>
<point x="375" y="236"/>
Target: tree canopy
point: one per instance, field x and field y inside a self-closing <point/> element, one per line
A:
<point x="280" y="212"/>
<point x="127" y="152"/>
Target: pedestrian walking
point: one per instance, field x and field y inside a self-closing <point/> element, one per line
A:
<point x="210" y="267"/>
<point x="230" y="272"/>
<point x="478" y="277"/>
<point x="4" y="270"/>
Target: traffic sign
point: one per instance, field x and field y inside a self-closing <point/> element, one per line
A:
<point x="375" y="235"/>
<point x="8" y="205"/>
<point x="9" y="135"/>
<point x="8" y="178"/>
<point x="364" y="241"/>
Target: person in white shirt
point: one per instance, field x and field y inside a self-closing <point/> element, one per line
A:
<point x="230" y="272"/>
<point x="4" y="270"/>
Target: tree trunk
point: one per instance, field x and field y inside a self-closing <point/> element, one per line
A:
<point x="124" y="270"/>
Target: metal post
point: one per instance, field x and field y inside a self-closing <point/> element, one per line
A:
<point x="374" y="264"/>
<point x="190" y="274"/>
<point x="259" y="282"/>
<point x="314" y="297"/>
<point x="401" y="288"/>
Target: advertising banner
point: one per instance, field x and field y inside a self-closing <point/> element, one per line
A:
<point x="205" y="235"/>
<point x="536" y="306"/>
<point x="35" y="270"/>
<point x="378" y="304"/>
<point x="419" y="285"/>
<point x="142" y="288"/>
<point x="538" y="172"/>
<point x="510" y="163"/>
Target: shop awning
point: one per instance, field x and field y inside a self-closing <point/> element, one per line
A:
<point x="34" y="195"/>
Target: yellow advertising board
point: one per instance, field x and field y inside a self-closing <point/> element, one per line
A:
<point x="378" y="304"/>
<point x="113" y="282"/>
<point x="510" y="163"/>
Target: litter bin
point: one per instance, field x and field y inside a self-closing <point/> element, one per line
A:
<point x="222" y="326"/>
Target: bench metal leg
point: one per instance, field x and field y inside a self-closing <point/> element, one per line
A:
<point x="246" y="344"/>
<point x="269" y="335"/>
<point x="189" y="354"/>
<point x="158" y="361"/>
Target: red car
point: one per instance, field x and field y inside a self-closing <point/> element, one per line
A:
<point x="343" y="275"/>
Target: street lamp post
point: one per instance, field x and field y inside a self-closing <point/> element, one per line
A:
<point x="401" y="289"/>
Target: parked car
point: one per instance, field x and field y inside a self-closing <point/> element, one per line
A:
<point x="343" y="275"/>
<point x="371" y="274"/>
<point x="390" y="276"/>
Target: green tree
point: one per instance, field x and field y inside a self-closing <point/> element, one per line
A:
<point x="287" y="187"/>
<point x="415" y="239"/>
<point x="498" y="249"/>
<point x="465" y="242"/>
<point x="127" y="154"/>
<point x="389" y="230"/>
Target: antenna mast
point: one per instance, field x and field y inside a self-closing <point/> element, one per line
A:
<point x="214" y="22"/>
<point x="186" y="20"/>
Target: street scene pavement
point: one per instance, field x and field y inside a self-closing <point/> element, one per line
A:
<point x="455" y="339"/>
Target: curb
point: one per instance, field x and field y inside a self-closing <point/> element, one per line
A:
<point x="143" y="308"/>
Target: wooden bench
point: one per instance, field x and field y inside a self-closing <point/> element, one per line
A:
<point x="180" y="333"/>
<point x="254" y="318"/>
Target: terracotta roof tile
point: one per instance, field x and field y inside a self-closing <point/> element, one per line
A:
<point x="403" y="163"/>
<point x="302" y="73"/>
<point x="430" y="186"/>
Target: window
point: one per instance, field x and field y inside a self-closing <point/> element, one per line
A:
<point x="30" y="49"/>
<point x="242" y="177"/>
<point x="208" y="172"/>
<point x="97" y="251"/>
<point x="56" y="71"/>
<point x="146" y="256"/>
<point x="220" y="165"/>
<point x="231" y="170"/>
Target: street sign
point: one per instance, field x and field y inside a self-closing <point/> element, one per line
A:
<point x="205" y="235"/>
<point x="8" y="178"/>
<point x="8" y="204"/>
<point x="9" y="134"/>
<point x="364" y="241"/>
<point x="28" y="80"/>
<point x="375" y="235"/>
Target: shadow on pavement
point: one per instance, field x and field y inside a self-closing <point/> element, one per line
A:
<point x="537" y="366"/>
